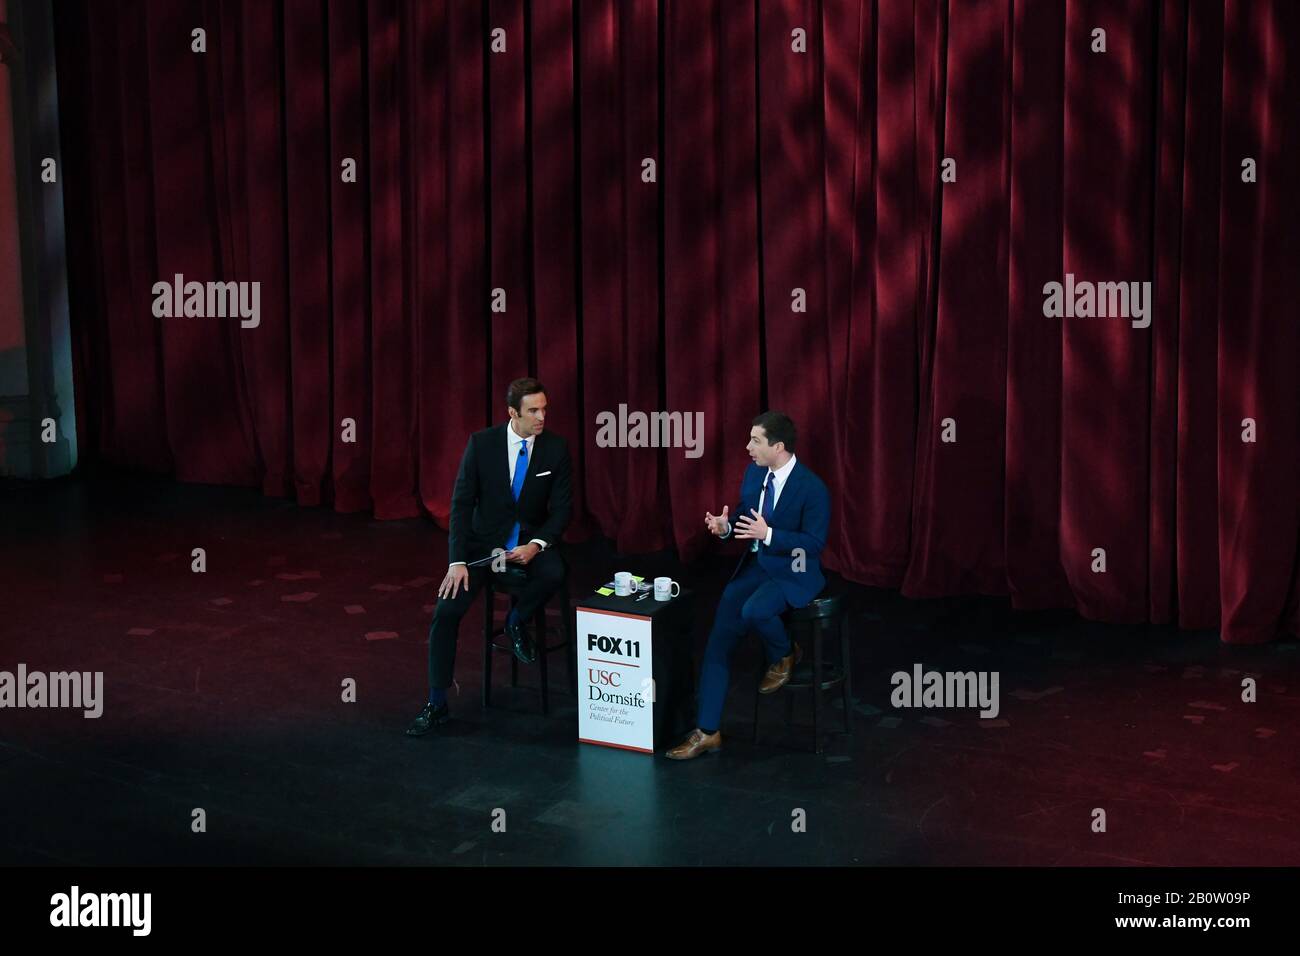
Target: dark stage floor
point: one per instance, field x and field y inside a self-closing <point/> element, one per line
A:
<point x="223" y="693"/>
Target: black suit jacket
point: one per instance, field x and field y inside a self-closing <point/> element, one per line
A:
<point x="483" y="509"/>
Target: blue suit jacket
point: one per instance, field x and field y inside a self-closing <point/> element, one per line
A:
<point x="801" y="520"/>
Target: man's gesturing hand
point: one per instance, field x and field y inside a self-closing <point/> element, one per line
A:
<point x="457" y="577"/>
<point x="751" y="529"/>
<point x="718" y="524"/>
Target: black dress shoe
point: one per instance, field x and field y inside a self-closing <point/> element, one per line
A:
<point x="429" y="717"/>
<point x="522" y="643"/>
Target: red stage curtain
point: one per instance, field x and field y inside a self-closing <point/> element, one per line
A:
<point x="775" y="169"/>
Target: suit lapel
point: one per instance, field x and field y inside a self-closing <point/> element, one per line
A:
<point x="501" y="449"/>
<point x="532" y="459"/>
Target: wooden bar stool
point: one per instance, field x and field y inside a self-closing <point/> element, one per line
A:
<point x="512" y="583"/>
<point x="809" y="625"/>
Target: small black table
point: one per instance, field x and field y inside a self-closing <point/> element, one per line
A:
<point x="672" y="626"/>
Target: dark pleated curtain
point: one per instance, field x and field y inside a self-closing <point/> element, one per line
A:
<point x="776" y="171"/>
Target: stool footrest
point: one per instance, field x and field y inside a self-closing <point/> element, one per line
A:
<point x="544" y="627"/>
<point x="817" y="628"/>
<point x="802" y="678"/>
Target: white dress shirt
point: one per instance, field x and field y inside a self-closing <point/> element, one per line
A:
<point x="776" y="483"/>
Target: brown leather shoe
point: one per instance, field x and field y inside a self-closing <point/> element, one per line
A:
<point x="778" y="675"/>
<point x="697" y="743"/>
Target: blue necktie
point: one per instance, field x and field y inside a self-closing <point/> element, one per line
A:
<point x="769" y="492"/>
<point x="521" y="469"/>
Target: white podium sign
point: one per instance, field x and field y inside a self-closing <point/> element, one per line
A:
<point x="615" y="680"/>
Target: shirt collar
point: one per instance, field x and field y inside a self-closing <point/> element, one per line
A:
<point x="512" y="437"/>
<point x="782" y="473"/>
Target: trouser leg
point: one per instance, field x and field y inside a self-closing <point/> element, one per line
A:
<point x="728" y="629"/>
<point x="762" y="614"/>
<point x="546" y="574"/>
<point x="445" y="628"/>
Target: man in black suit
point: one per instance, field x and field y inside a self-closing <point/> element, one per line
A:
<point x="512" y="500"/>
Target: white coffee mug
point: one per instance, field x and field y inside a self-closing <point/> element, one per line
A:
<point x="623" y="583"/>
<point x="664" y="589"/>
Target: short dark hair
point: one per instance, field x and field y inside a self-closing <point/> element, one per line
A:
<point x="521" y="387"/>
<point x="778" y="427"/>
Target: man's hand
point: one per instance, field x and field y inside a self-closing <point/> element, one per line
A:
<point x="524" y="553"/>
<point x="457" y="577"/>
<point x="751" y="529"/>
<point x="717" y="523"/>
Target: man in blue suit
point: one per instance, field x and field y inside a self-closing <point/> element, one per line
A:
<point x="782" y="517"/>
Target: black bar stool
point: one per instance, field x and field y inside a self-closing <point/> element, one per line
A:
<point x="824" y="614"/>
<point x="512" y="583"/>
